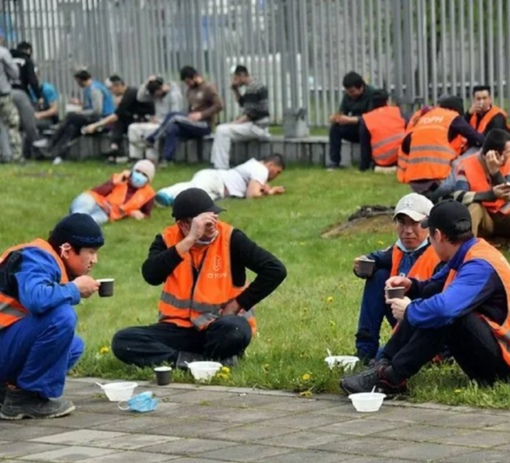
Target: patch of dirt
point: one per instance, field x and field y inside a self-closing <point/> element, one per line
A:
<point x="367" y="219"/>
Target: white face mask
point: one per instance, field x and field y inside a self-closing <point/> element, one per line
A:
<point x="206" y="242"/>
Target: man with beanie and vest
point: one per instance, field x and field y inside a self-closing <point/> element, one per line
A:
<point x="465" y="306"/>
<point x="97" y="103"/>
<point x="206" y="306"/>
<point x="483" y="116"/>
<point x="381" y="132"/>
<point x="411" y="255"/>
<point x="128" y="194"/>
<point x="483" y="185"/>
<point x="437" y="139"/>
<point x="40" y="282"/>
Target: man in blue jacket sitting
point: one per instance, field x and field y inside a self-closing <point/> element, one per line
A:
<point x="97" y="103"/>
<point x="465" y="306"/>
<point x="40" y="282"/>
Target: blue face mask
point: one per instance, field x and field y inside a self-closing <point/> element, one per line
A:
<point x="141" y="403"/>
<point x="137" y="179"/>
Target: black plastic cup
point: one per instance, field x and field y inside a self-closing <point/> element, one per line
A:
<point x="106" y="287"/>
<point x="163" y="375"/>
<point x="366" y="267"/>
<point x="397" y="292"/>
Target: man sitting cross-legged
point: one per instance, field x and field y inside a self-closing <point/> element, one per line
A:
<point x="205" y="309"/>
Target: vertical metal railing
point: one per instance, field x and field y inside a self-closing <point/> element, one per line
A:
<point x="300" y="48"/>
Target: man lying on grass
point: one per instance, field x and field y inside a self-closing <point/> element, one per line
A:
<point x="205" y="309"/>
<point x="467" y="312"/>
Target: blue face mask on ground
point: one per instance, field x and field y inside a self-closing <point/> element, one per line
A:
<point x="138" y="180"/>
<point x="141" y="403"/>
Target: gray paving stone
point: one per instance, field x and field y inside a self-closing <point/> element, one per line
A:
<point x="485" y="456"/>
<point x="183" y="446"/>
<point x="79" y="437"/>
<point x="191" y="428"/>
<point x="425" y="451"/>
<point x="245" y="416"/>
<point x="20" y="432"/>
<point x="296" y="405"/>
<point x="366" y="459"/>
<point x="136" y="423"/>
<point x="131" y="457"/>
<point x="362" y="427"/>
<point x="304" y="421"/>
<point x="195" y="397"/>
<point x="249" y="432"/>
<point x="307" y="456"/>
<point x="480" y="439"/>
<point x="69" y="454"/>
<point x="198" y="460"/>
<point x="17" y="450"/>
<point x="245" y="452"/>
<point x="421" y="432"/>
<point x="84" y="420"/>
<point x="133" y="441"/>
<point x="371" y="446"/>
<point x="304" y="439"/>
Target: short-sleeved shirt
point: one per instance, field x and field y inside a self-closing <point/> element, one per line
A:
<point x="236" y="180"/>
<point x="49" y="93"/>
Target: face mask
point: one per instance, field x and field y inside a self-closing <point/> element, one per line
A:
<point x="206" y="242"/>
<point x="141" y="403"/>
<point x="137" y="179"/>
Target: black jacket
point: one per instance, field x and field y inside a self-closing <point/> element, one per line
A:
<point x="27" y="77"/>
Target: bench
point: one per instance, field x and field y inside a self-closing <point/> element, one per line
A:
<point x="311" y="150"/>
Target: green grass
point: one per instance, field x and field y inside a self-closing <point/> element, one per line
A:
<point x="296" y="324"/>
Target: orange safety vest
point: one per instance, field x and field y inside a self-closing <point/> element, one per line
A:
<point x="387" y="128"/>
<point x="486" y="119"/>
<point x="114" y="204"/>
<point x="422" y="269"/>
<point x="484" y="251"/>
<point x="188" y="304"/>
<point x="430" y="153"/>
<point x="11" y="309"/>
<point x="478" y="180"/>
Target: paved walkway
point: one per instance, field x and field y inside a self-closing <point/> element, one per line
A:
<point x="219" y="425"/>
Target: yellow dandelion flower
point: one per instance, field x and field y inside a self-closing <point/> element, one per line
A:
<point x="458" y="391"/>
<point x="329" y="299"/>
<point x="306" y="377"/>
<point x="307" y="394"/>
<point x="225" y="370"/>
<point x="221" y="376"/>
<point x="265" y="366"/>
<point x="332" y="323"/>
<point x="380" y="242"/>
<point x="104" y="350"/>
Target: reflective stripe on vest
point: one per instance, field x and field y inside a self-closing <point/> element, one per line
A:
<point x="422" y="269"/>
<point x="115" y="203"/>
<point x="188" y="303"/>
<point x="484" y="251"/>
<point x="11" y="309"/>
<point x="486" y="119"/>
<point x="477" y="178"/>
<point x="430" y="154"/>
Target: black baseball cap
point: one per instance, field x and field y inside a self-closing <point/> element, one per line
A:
<point x="450" y="217"/>
<point x="192" y="202"/>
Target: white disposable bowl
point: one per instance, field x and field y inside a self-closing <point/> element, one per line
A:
<point x="119" y="392"/>
<point x="367" y="401"/>
<point x="348" y="362"/>
<point x="204" y="371"/>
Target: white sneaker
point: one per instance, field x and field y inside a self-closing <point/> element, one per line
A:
<point x="57" y="161"/>
<point x="42" y="143"/>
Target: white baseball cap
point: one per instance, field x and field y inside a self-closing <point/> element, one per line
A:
<point x="415" y="206"/>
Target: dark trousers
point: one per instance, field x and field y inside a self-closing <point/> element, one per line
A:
<point x="372" y="313"/>
<point x="118" y="129"/>
<point x="469" y="339"/>
<point x="337" y="133"/>
<point x="69" y="130"/>
<point x="160" y="343"/>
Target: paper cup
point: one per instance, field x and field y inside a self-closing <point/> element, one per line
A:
<point x="106" y="287"/>
<point x="366" y="267"/>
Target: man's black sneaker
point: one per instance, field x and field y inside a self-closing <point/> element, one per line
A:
<point x="230" y="361"/>
<point x="380" y="377"/>
<point x="21" y="404"/>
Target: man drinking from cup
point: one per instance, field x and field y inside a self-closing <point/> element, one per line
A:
<point x="40" y="282"/>
<point x="411" y="255"/>
<point x="465" y="306"/>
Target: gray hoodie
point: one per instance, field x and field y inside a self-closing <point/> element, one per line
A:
<point x="171" y="102"/>
<point x="8" y="70"/>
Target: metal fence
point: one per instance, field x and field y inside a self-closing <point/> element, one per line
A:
<point x="300" y="48"/>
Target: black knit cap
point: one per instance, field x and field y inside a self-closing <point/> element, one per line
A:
<point x="192" y="202"/>
<point x="79" y="230"/>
